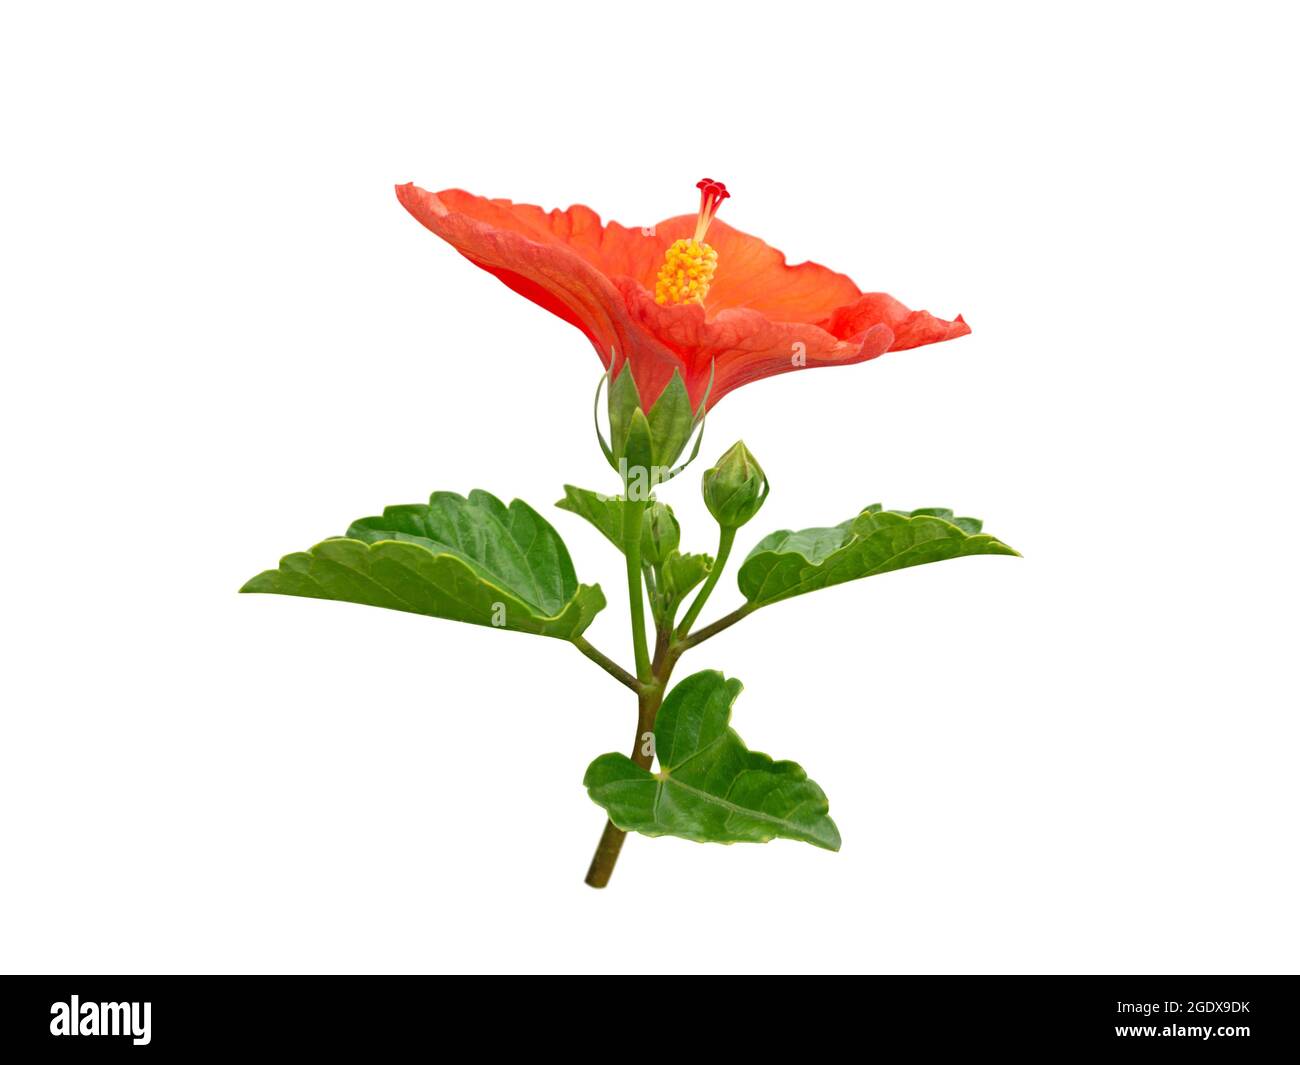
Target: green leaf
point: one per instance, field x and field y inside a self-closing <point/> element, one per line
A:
<point x="472" y="560"/>
<point x="606" y="514"/>
<point x="787" y="563"/>
<point x="681" y="574"/>
<point x="710" y="787"/>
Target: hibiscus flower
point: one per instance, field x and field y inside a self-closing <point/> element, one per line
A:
<point x="690" y="295"/>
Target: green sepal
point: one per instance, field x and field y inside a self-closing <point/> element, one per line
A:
<point x="464" y="559"/>
<point x="786" y="563"/>
<point x="605" y="448"/>
<point x="624" y="402"/>
<point x="710" y="787"/>
<point x="636" y="458"/>
<point x="624" y="398"/>
<point x="643" y="446"/>
<point x="671" y="422"/>
<point x="697" y="426"/>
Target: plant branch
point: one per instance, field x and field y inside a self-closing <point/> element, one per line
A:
<point x="607" y="664"/>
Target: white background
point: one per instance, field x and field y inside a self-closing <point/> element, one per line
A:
<point x="223" y="339"/>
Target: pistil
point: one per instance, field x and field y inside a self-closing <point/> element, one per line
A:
<point x="689" y="265"/>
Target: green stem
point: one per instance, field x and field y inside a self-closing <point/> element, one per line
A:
<point x="611" y="839"/>
<point x="632" y="513"/>
<point x="652" y="678"/>
<point x="725" y="539"/>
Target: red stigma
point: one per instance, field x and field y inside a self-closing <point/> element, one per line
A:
<point x="712" y="193"/>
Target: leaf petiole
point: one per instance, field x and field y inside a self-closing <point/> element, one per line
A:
<point x="607" y="664"/>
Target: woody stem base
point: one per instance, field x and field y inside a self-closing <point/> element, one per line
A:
<point x="648" y="702"/>
<point x="607" y="851"/>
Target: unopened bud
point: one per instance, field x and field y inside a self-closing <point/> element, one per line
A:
<point x="735" y="488"/>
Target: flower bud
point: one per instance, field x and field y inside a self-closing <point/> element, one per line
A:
<point x="660" y="534"/>
<point x="735" y="488"/>
<point x="645" y="443"/>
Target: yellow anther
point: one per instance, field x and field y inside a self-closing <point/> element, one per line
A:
<point x="686" y="273"/>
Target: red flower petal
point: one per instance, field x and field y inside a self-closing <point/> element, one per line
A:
<point x="911" y="328"/>
<point x="739" y="345"/>
<point x="754" y="275"/>
<point x="762" y="316"/>
<point x="520" y="251"/>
